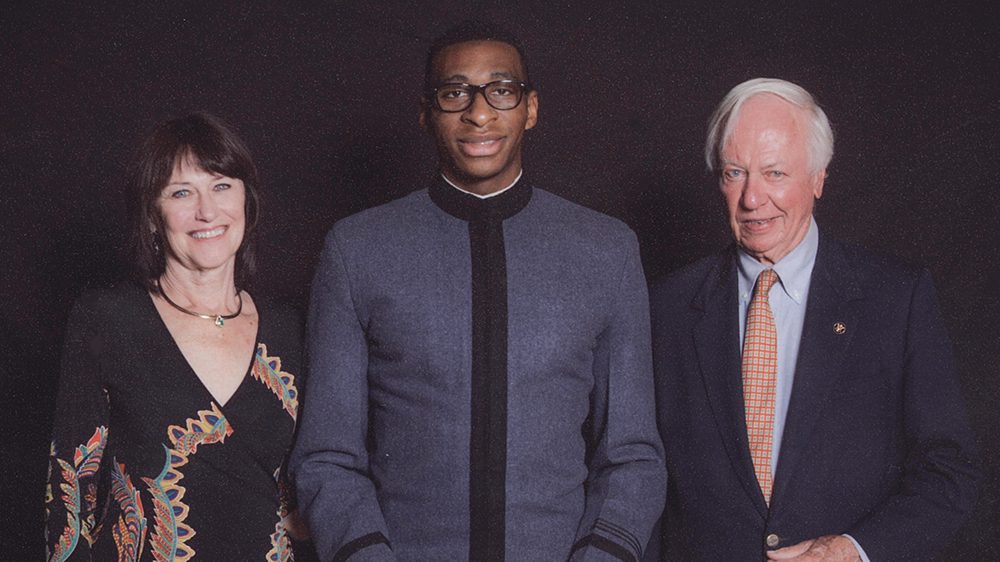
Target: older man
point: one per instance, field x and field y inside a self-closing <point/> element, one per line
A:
<point x="807" y="396"/>
<point x="480" y="379"/>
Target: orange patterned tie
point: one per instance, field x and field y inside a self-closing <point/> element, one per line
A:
<point x="760" y="371"/>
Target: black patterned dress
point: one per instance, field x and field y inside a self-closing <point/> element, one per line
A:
<point x="145" y="464"/>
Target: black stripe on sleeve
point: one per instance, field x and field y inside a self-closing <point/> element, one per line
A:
<point x="364" y="541"/>
<point x="619" y="532"/>
<point x="606" y="545"/>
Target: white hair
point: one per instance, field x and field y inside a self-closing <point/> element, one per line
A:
<point x="720" y="126"/>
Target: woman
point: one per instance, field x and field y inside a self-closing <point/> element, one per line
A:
<point x="178" y="394"/>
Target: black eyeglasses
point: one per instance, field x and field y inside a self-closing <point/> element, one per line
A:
<point x="500" y="94"/>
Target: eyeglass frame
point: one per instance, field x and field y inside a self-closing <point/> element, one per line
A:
<point x="474" y="89"/>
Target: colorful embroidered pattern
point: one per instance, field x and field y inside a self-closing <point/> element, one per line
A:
<point x="157" y="527"/>
<point x="130" y="532"/>
<point x="268" y="371"/>
<point x="281" y="546"/>
<point x="48" y="493"/>
<point x="170" y="533"/>
<point x="86" y="462"/>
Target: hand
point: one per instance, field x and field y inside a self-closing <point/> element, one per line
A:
<point x="296" y="526"/>
<point x="829" y="548"/>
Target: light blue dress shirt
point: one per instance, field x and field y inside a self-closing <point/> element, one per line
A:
<point x="788" y="305"/>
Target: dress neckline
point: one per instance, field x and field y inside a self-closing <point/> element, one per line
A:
<point x="179" y="354"/>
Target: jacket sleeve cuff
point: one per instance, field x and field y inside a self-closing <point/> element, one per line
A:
<point x="612" y="542"/>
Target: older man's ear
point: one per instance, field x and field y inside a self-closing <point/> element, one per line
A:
<point x="819" y="179"/>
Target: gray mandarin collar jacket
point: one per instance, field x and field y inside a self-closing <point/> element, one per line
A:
<point x="480" y="384"/>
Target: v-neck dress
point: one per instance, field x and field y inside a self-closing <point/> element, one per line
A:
<point x="145" y="463"/>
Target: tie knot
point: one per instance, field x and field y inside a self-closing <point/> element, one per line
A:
<point x="765" y="281"/>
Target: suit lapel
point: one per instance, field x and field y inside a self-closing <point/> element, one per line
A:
<point x="717" y="344"/>
<point x="832" y="313"/>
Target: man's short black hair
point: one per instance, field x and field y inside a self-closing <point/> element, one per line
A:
<point x="471" y="30"/>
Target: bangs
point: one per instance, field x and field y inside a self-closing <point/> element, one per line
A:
<point x="213" y="154"/>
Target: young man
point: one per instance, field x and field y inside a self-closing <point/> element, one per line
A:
<point x="480" y="379"/>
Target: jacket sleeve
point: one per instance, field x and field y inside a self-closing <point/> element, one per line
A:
<point x="329" y="463"/>
<point x="626" y="486"/>
<point x="938" y="486"/>
<point x="79" y="438"/>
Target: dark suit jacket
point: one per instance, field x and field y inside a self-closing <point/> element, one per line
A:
<point x="876" y="442"/>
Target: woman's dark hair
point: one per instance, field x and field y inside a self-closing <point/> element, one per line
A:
<point x="203" y="140"/>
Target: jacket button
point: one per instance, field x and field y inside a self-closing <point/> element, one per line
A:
<point x="773" y="540"/>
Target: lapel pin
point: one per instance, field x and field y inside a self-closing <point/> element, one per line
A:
<point x="839" y="328"/>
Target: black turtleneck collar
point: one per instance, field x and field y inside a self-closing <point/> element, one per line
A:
<point x="467" y="207"/>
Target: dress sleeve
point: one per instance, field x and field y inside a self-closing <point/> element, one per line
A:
<point x="79" y="438"/>
<point x="329" y="463"/>
<point x="940" y="474"/>
<point x="627" y="482"/>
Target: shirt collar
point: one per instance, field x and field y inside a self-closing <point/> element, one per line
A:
<point x="471" y="207"/>
<point x="794" y="270"/>
<point x="488" y="195"/>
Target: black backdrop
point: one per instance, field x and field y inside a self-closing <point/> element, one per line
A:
<point x="327" y="99"/>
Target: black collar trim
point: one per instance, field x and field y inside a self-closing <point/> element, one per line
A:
<point x="468" y="207"/>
